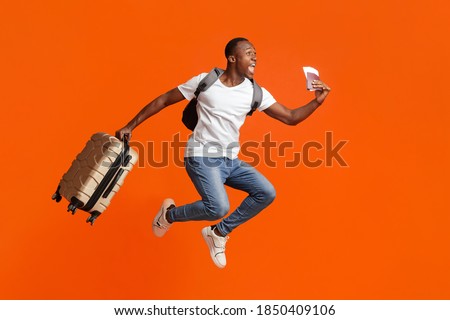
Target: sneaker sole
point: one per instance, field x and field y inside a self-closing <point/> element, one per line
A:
<point x="210" y="244"/>
<point x="157" y="231"/>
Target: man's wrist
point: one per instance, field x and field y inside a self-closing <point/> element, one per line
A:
<point x="131" y="125"/>
<point x="316" y="103"/>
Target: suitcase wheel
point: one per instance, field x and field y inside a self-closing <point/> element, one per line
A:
<point x="57" y="197"/>
<point x="72" y="208"/>
<point x="93" y="217"/>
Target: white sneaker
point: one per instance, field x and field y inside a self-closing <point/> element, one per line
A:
<point x="160" y="223"/>
<point x="216" y="245"/>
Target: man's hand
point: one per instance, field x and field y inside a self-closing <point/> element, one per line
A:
<point x="122" y="132"/>
<point x="322" y="92"/>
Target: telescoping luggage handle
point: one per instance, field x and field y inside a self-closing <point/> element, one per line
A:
<point x="113" y="175"/>
<point x="127" y="158"/>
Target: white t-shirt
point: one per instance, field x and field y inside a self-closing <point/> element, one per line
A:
<point x="221" y="112"/>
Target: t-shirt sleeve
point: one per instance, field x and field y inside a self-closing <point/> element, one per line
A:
<point x="267" y="100"/>
<point x="188" y="88"/>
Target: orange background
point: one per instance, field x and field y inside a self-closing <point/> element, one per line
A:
<point x="378" y="229"/>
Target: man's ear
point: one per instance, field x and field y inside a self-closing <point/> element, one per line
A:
<point x="231" y="59"/>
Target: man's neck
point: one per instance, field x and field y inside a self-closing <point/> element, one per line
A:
<point x="231" y="78"/>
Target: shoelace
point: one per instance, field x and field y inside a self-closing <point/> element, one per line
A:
<point x="223" y="242"/>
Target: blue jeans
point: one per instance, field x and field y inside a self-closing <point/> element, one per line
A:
<point x="210" y="175"/>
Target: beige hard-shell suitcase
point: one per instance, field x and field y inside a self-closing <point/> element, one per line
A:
<point x="96" y="175"/>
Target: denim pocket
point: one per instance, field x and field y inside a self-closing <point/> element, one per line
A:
<point x="193" y="162"/>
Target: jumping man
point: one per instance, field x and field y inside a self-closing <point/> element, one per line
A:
<point x="211" y="154"/>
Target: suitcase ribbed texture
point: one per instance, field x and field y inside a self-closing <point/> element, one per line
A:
<point x="85" y="178"/>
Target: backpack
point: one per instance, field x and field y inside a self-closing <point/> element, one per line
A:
<point x="190" y="116"/>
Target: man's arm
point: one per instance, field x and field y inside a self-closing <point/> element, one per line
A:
<point x="295" y="116"/>
<point x="171" y="97"/>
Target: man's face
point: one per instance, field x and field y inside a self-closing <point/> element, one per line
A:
<point x="245" y="54"/>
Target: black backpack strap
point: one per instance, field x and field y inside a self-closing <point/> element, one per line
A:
<point x="208" y="81"/>
<point x="190" y="117"/>
<point x="257" y="97"/>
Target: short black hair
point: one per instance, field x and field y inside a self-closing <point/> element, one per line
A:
<point x="231" y="45"/>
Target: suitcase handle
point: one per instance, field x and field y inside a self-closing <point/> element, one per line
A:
<point x="126" y="148"/>
<point x="112" y="184"/>
<point x="125" y="160"/>
<point x="126" y="137"/>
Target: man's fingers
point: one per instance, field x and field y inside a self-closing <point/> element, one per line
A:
<point x="126" y="136"/>
<point x="120" y="135"/>
<point x="320" y="85"/>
